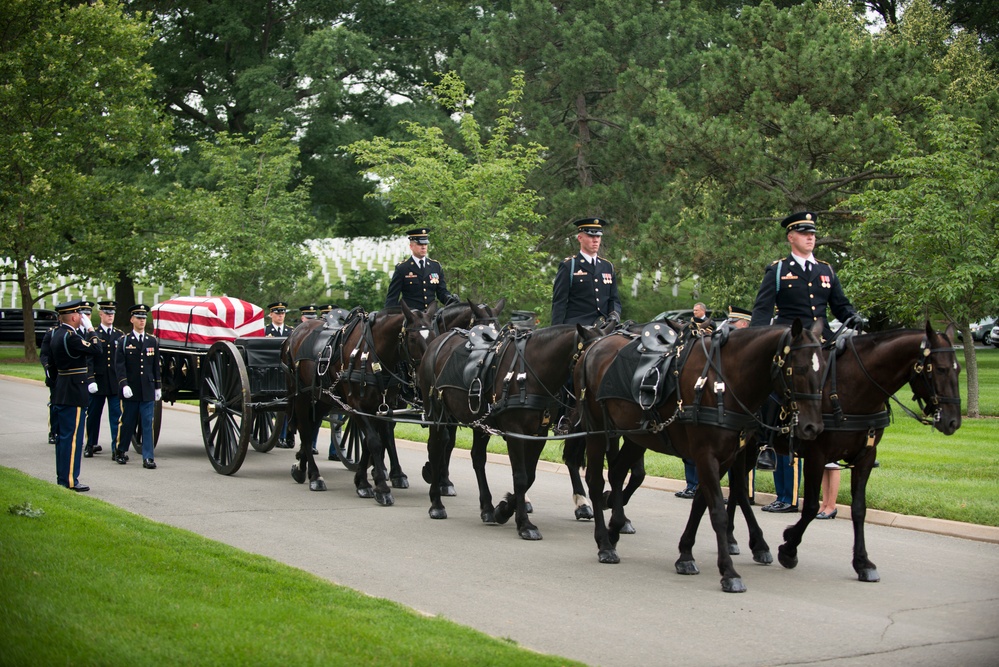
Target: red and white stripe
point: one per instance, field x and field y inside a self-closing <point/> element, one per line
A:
<point x="206" y="319"/>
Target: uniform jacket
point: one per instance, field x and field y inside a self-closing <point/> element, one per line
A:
<point x="584" y="292"/>
<point x="69" y="354"/>
<point x="105" y="372"/>
<point x="418" y="288"/>
<point x="138" y="366"/>
<point x="787" y="293"/>
<point x="271" y="330"/>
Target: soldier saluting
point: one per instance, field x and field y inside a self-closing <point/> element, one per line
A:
<point x="71" y="357"/>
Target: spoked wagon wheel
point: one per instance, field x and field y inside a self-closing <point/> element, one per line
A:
<point x="226" y="416"/>
<point x="157" y="421"/>
<point x="347" y="440"/>
<point x="265" y="432"/>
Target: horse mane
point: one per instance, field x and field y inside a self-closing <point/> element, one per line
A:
<point x="546" y="335"/>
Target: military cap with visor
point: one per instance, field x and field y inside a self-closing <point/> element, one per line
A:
<point x="803" y="221"/>
<point x="590" y="226"/>
<point x="419" y="235"/>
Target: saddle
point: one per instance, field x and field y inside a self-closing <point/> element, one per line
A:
<point x="644" y="370"/>
<point x="470" y="366"/>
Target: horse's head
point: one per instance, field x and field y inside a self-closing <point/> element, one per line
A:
<point x="416" y="333"/>
<point x="798" y="369"/>
<point x="488" y="315"/>
<point x="934" y="380"/>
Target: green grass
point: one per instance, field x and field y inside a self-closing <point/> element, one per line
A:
<point x="89" y="583"/>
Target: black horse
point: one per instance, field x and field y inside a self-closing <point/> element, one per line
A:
<point x="508" y="384"/>
<point x="359" y="369"/>
<point x="720" y="382"/>
<point x="863" y="372"/>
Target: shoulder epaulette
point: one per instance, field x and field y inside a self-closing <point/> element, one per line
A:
<point x="775" y="261"/>
<point x="604" y="259"/>
<point x="823" y="262"/>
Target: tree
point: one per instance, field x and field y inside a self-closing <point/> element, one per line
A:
<point x="474" y="198"/>
<point x="252" y="216"/>
<point x="75" y="100"/>
<point x="778" y="117"/>
<point x="931" y="245"/>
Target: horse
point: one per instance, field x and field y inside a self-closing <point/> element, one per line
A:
<point x="354" y="369"/>
<point x="863" y="372"/>
<point x="511" y="387"/>
<point x="739" y="367"/>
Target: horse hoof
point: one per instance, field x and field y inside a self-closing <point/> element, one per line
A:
<point x="584" y="513"/>
<point x="438" y="513"/>
<point x="608" y="556"/>
<point x="502" y="513"/>
<point x="448" y="490"/>
<point x="686" y="567"/>
<point x="400" y="482"/>
<point x="528" y="507"/>
<point x="869" y="575"/>
<point x="384" y="499"/>
<point x="298" y="474"/>
<point x="532" y="534"/>
<point x="733" y="549"/>
<point x="318" y="484"/>
<point x="787" y="559"/>
<point x="487" y="516"/>
<point x="733" y="585"/>
<point x="426" y="472"/>
<point x="763" y="557"/>
<point x="627" y="529"/>
<point x="365" y="492"/>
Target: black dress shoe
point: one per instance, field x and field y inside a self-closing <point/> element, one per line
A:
<point x="81" y="488"/>
<point x="98" y="449"/>
<point x="283" y="444"/>
<point x="686" y="494"/>
<point x="149" y="463"/>
<point x="780" y="508"/>
<point x="120" y="459"/>
<point x="52" y="439"/>
<point x="315" y="452"/>
<point x="88" y="452"/>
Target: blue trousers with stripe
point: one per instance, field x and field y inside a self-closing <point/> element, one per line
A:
<point x="69" y="444"/>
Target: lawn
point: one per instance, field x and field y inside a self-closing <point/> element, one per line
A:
<point x="64" y="602"/>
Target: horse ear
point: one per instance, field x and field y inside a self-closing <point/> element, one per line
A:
<point x="432" y="310"/>
<point x="951" y="331"/>
<point x="406" y="310"/>
<point x="498" y="308"/>
<point x="796" y="327"/>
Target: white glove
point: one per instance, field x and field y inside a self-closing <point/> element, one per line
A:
<point x="85" y="323"/>
<point x="92" y="387"/>
<point x="126" y="391"/>
<point x="158" y="394"/>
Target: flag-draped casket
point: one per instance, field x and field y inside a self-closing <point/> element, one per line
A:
<point x="203" y="320"/>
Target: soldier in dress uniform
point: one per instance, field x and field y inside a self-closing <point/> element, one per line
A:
<point x="799" y="286"/>
<point x="107" y="382"/>
<point x="739" y="318"/>
<point x="277" y="327"/>
<point x="796" y="286"/>
<point x="419" y="280"/>
<point x="585" y="289"/>
<point x="70" y="353"/>
<point x="309" y="312"/>
<point x="137" y="366"/>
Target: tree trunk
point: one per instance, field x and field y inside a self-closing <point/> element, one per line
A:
<point x="971" y="371"/>
<point x="124" y="296"/>
<point x="27" y="312"/>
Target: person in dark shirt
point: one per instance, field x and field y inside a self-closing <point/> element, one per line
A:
<point x="419" y="280"/>
<point x="585" y="289"/>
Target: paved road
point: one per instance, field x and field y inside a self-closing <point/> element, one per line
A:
<point x="937" y="603"/>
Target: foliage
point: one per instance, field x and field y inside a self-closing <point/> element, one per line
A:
<point x="252" y="220"/>
<point x="945" y="212"/>
<point x="74" y="101"/>
<point x="473" y="199"/>
<point x="363" y="289"/>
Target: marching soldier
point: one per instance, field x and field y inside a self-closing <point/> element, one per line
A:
<point x="70" y="354"/>
<point x="107" y="382"/>
<point x="797" y="286"/>
<point x="585" y="289"/>
<point x="278" y="311"/>
<point x="137" y="366"/>
<point x="419" y="280"/>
